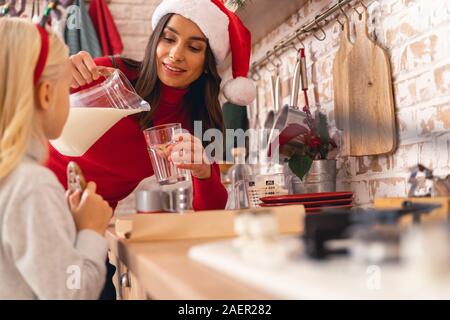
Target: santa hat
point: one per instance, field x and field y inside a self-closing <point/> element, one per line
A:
<point x="224" y="31"/>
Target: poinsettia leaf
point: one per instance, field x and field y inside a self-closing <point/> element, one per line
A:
<point x="300" y="165"/>
<point x="322" y="127"/>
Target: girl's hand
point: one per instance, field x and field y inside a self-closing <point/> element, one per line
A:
<point x="89" y="210"/>
<point x="188" y="153"/>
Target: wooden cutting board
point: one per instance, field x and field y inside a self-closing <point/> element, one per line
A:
<point x="340" y="75"/>
<point x="341" y="86"/>
<point x="371" y="116"/>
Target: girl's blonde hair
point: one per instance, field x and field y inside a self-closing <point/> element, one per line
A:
<point x="19" y="52"/>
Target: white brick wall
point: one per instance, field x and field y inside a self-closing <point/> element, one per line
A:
<point x="416" y="34"/>
<point x="133" y="19"/>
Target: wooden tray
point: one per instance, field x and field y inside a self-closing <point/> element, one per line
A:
<point x="197" y="225"/>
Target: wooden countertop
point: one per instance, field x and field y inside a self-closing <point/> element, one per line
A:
<point x="164" y="270"/>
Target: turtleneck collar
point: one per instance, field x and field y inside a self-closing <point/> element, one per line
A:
<point x="172" y="96"/>
<point x="37" y="150"/>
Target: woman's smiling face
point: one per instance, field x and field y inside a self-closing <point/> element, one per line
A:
<point x="180" y="54"/>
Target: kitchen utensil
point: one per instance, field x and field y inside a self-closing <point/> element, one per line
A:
<point x="270" y="119"/>
<point x="276" y="86"/>
<point x="304" y="78"/>
<point x="75" y="178"/>
<point x="276" y="99"/>
<point x="371" y="104"/>
<point x="272" y="114"/>
<point x="290" y="121"/>
<point x="296" y="81"/>
<point x="253" y="110"/>
<point x="340" y="75"/>
<point x="158" y="140"/>
<point x="255" y="126"/>
<point x="308" y="197"/>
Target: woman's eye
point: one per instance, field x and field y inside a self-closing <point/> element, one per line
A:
<point x="169" y="40"/>
<point x="195" y="49"/>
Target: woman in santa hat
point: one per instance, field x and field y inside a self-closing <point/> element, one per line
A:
<point x="178" y="77"/>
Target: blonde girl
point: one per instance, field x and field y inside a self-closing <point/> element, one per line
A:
<point x="51" y="245"/>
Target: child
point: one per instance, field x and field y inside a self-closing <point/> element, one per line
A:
<point x="51" y="247"/>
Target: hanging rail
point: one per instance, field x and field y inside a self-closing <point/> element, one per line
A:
<point x="302" y="31"/>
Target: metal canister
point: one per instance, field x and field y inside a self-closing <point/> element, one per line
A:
<point x="177" y="199"/>
<point x="149" y="201"/>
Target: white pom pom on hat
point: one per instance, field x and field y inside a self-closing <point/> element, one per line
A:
<point x="225" y="32"/>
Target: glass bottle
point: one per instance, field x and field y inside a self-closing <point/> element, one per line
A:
<point x="237" y="174"/>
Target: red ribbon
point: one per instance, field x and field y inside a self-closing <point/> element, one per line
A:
<point x="43" y="54"/>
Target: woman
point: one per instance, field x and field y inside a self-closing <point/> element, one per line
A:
<point x="179" y="78"/>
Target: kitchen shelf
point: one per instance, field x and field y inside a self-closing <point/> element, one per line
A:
<point x="263" y="16"/>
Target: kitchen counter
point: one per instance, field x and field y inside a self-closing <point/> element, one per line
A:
<point x="163" y="270"/>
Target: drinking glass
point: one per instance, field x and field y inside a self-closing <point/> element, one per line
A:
<point x="159" y="139"/>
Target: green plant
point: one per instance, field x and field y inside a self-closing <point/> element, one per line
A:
<point x="238" y="3"/>
<point x="304" y="144"/>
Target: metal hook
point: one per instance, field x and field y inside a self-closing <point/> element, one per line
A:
<point x="278" y="47"/>
<point x="360" y="13"/>
<point x="276" y="65"/>
<point x="321" y="29"/>
<point x="363" y="4"/>
<point x="343" y="12"/>
<point x="254" y="71"/>
<point x="339" y="21"/>
<point x="268" y="53"/>
<point x="297" y="36"/>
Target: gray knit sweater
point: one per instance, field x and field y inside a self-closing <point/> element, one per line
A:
<point x="41" y="254"/>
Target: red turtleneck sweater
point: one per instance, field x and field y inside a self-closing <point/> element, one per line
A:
<point x="119" y="160"/>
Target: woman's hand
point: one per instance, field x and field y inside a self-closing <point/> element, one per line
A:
<point x="188" y="153"/>
<point x="84" y="70"/>
<point x="89" y="210"/>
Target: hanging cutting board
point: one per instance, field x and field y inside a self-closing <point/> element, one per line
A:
<point x="340" y="75"/>
<point x="371" y="116"/>
<point x="341" y="85"/>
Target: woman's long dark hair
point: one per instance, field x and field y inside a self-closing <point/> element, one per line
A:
<point x="203" y="94"/>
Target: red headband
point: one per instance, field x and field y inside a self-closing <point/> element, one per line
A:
<point x="42" y="54"/>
